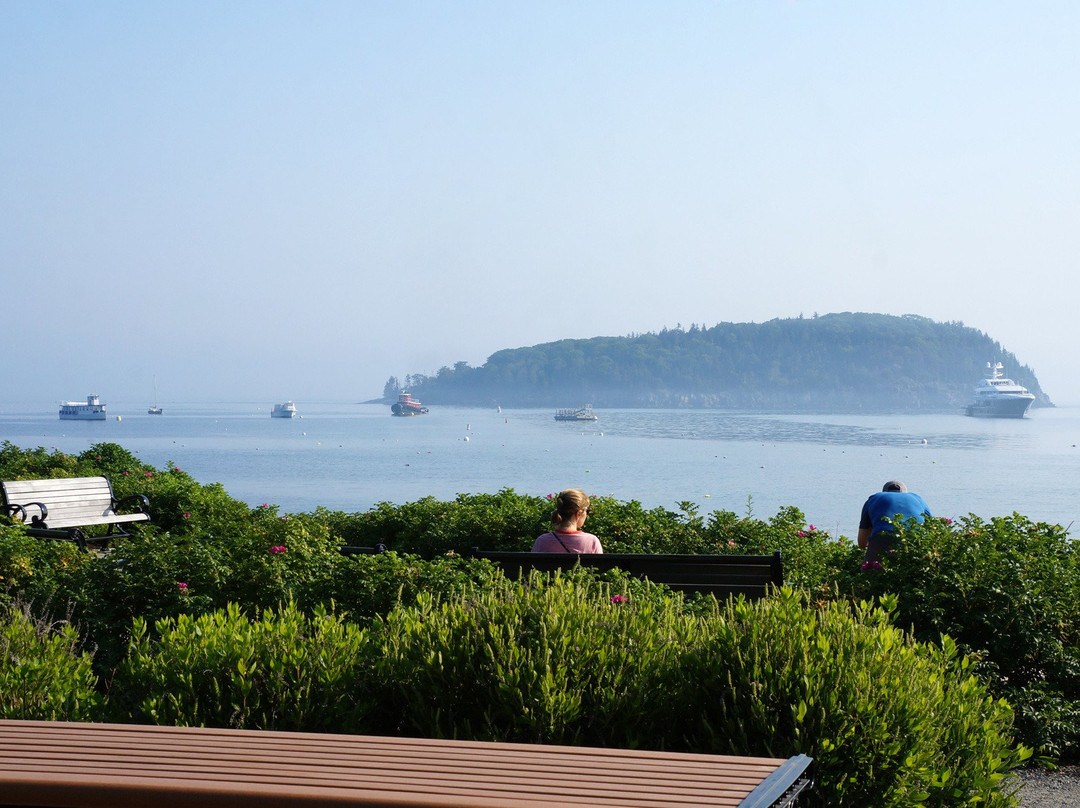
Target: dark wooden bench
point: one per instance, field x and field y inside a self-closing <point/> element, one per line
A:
<point x="57" y="509"/>
<point x="69" y="765"/>
<point x="719" y="575"/>
<point x="350" y="549"/>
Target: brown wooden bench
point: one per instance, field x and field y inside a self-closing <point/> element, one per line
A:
<point x="69" y="765"/>
<point x="58" y="508"/>
<point x="719" y="575"/>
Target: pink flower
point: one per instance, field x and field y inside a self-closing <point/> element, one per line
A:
<point x="124" y="473"/>
<point x="731" y="542"/>
<point x="278" y="549"/>
<point x="871" y="565"/>
<point x="149" y="474"/>
<point x="948" y="521"/>
<point x="801" y="534"/>
<point x="187" y="514"/>
<point x="619" y="599"/>
<point x="182" y="587"/>
<point x="812" y="527"/>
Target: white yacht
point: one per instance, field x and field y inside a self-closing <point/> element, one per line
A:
<point x="286" y="410"/>
<point x="92" y="410"/>
<point x="998" y="397"/>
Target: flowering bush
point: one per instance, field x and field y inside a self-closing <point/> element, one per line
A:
<point x="1007" y="591"/>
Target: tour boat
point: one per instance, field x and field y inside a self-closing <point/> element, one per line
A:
<point x="286" y="410"/>
<point x="580" y="414"/>
<point x="998" y="397"/>
<point x="92" y="410"/>
<point x="407" y="405"/>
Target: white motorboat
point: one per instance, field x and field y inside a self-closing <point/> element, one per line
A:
<point x="92" y="410"/>
<point x="286" y="410"/>
<point x="998" y="397"/>
<point x="576" y="414"/>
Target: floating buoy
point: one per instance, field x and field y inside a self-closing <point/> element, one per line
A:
<point x="118" y="418"/>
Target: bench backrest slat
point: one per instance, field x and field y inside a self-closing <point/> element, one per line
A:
<point x="752" y="576"/>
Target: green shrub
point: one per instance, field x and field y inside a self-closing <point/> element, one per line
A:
<point x="285" y="671"/>
<point x="1008" y="591"/>
<point x="888" y="721"/>
<point x="529" y="661"/>
<point x="43" y="673"/>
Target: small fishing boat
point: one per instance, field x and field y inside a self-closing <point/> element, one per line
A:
<point x="407" y="405"/>
<point x="580" y="414"/>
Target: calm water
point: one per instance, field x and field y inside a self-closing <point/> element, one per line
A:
<point x="350" y="456"/>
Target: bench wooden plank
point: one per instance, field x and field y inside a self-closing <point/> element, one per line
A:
<point x="69" y="765"/>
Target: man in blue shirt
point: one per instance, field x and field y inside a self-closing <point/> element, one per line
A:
<point x="876" y="535"/>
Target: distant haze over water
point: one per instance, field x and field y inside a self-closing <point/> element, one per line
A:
<point x="350" y="456"/>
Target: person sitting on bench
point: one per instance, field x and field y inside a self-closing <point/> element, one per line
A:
<point x="566" y="536"/>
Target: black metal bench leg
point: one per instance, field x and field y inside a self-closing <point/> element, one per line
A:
<point x="77" y="536"/>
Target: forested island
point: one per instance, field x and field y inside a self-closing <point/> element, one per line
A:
<point x="834" y="362"/>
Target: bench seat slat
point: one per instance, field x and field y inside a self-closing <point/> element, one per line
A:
<point x="76" y="765"/>
<point x="117" y="518"/>
<point x="720" y="575"/>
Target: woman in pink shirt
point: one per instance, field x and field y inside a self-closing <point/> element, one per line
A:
<point x="566" y="536"/>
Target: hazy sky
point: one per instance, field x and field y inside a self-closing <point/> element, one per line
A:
<point x="263" y="200"/>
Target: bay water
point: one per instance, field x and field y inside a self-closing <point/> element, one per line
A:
<point x="351" y="456"/>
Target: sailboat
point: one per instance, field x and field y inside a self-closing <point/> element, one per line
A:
<point x="154" y="408"/>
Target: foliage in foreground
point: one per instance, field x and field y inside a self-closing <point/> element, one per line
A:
<point x="569" y="659"/>
<point x="43" y="673"/>
<point x="1007" y="590"/>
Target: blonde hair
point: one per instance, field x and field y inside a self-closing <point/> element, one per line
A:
<point x="569" y="504"/>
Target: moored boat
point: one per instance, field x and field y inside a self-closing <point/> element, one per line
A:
<point x="998" y="397"/>
<point x="154" y="409"/>
<point x="286" y="410"/>
<point x="576" y="414"/>
<point x="92" y="410"/>
<point x="407" y="405"/>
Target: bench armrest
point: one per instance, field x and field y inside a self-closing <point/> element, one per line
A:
<point x="137" y="502"/>
<point x="17" y="512"/>
<point x="39" y="519"/>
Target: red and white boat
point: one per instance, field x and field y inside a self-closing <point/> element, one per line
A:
<point x="407" y="405"/>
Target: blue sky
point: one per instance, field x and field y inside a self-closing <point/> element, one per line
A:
<point x="255" y="201"/>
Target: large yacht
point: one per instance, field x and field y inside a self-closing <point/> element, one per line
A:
<point x="92" y="410"/>
<point x="998" y="397"/>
